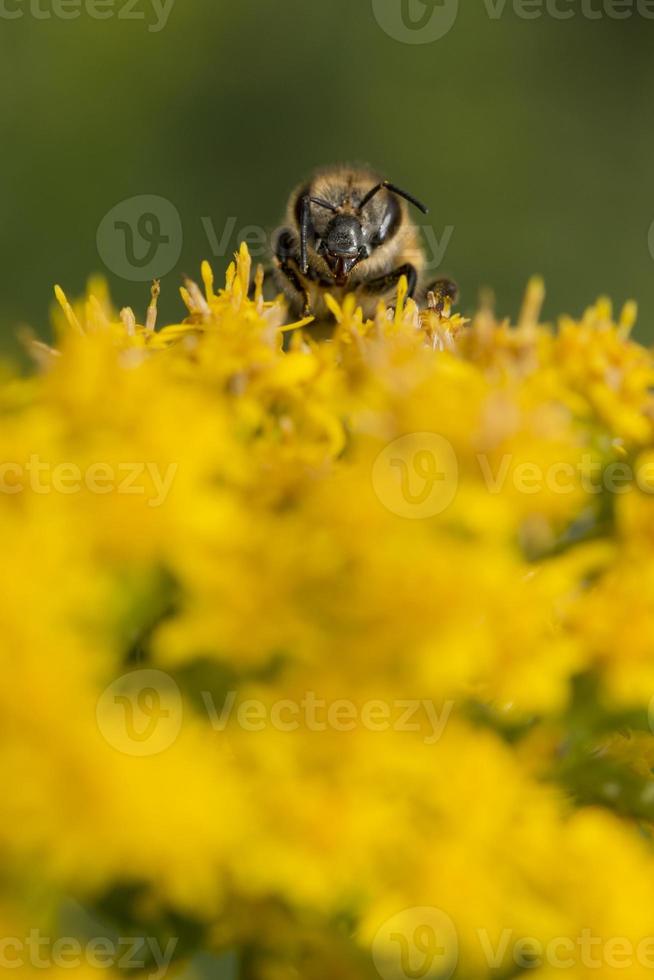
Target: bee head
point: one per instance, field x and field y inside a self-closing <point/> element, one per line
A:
<point x="344" y="242"/>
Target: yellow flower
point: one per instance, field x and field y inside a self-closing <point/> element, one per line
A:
<point x="308" y="631"/>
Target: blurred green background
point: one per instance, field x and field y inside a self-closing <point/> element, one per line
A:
<point x="531" y="139"/>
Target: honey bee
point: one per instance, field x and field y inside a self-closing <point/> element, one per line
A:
<point x="348" y="230"/>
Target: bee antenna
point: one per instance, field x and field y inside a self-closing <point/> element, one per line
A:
<point x="321" y="202"/>
<point x="305" y="221"/>
<point x="386" y="185"/>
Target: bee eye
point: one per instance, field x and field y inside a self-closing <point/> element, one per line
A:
<point x="389" y="223"/>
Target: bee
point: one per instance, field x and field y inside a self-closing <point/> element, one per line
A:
<point x="348" y="230"/>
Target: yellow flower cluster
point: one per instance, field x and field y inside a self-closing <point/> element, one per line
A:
<point x="338" y="652"/>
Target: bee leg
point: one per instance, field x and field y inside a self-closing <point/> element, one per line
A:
<point x="291" y="275"/>
<point x="441" y="294"/>
<point x="284" y="248"/>
<point x="391" y="280"/>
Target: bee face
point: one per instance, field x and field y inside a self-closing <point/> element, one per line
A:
<point x="345" y="244"/>
<point x="347" y="228"/>
<point x="343" y="222"/>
